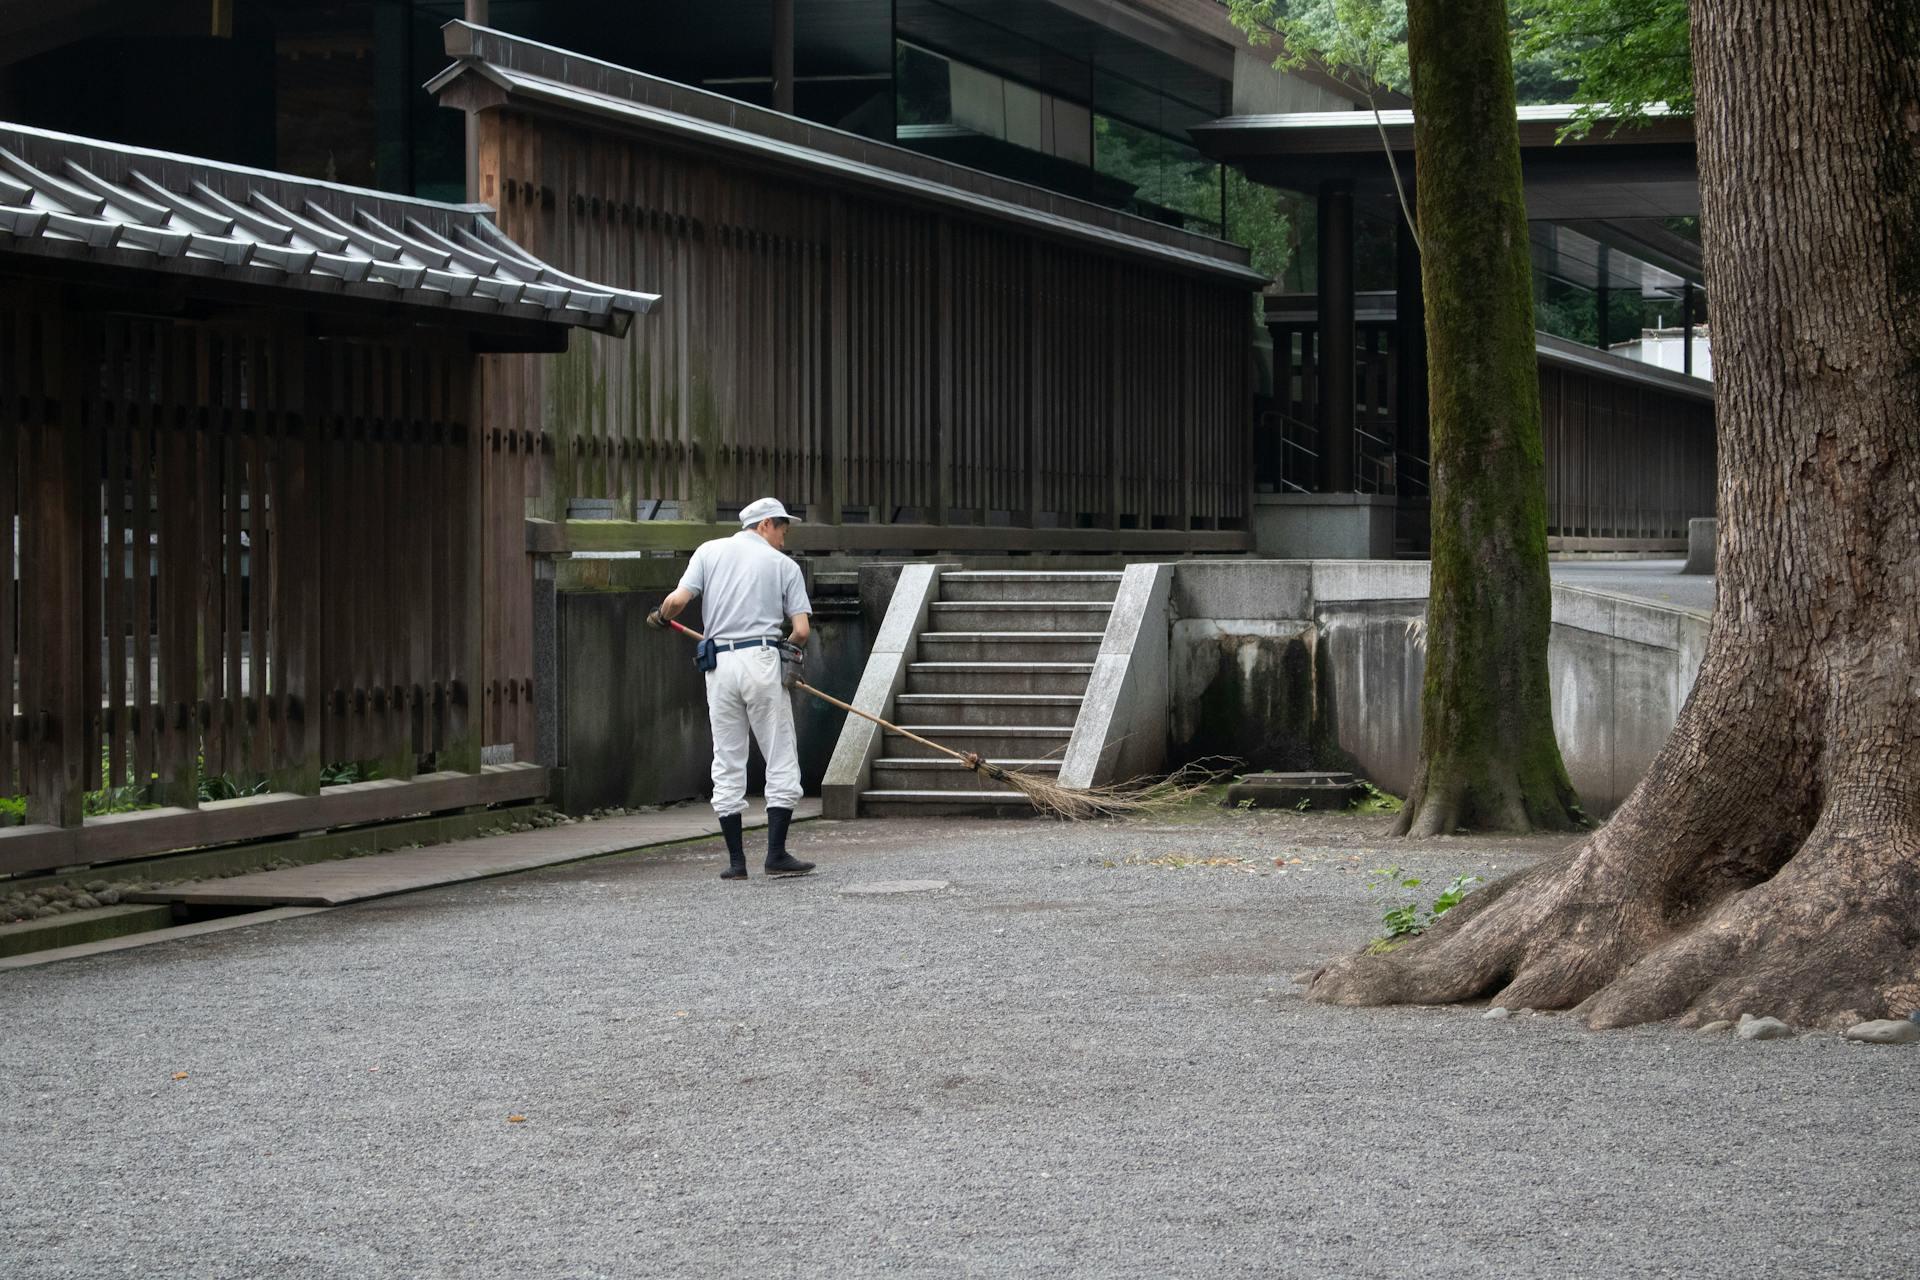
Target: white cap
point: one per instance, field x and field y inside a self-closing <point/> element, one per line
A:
<point x="762" y="508"/>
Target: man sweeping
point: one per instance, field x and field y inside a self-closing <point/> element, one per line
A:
<point x="752" y="591"/>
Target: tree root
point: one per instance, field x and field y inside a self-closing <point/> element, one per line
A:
<point x="1832" y="939"/>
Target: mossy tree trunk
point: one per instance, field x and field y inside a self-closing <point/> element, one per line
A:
<point x="1770" y="861"/>
<point x="1488" y="759"/>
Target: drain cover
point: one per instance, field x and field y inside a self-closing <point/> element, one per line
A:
<point x="878" y="888"/>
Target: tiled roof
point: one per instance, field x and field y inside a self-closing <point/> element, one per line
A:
<point x="68" y="197"/>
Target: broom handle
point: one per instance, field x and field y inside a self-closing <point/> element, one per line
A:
<point x="972" y="762"/>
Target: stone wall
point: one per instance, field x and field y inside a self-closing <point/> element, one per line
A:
<point x="1296" y="665"/>
<point x="630" y="718"/>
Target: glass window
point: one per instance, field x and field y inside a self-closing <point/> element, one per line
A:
<point x="1172" y="182"/>
<point x="923" y="85"/>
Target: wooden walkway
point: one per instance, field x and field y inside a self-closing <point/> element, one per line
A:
<point x="331" y="884"/>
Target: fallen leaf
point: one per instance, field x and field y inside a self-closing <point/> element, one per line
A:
<point x="179" y="1075"/>
<point x="516" y="1119"/>
<point x="679" y="1013"/>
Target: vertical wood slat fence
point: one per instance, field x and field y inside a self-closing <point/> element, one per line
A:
<point x="239" y="551"/>
<point x="871" y="361"/>
<point x="1626" y="462"/>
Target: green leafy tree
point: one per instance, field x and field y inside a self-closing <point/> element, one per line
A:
<point x="1489" y="759"/>
<point x="1366" y="39"/>
<point x="1620" y="56"/>
<point x="1769" y="861"/>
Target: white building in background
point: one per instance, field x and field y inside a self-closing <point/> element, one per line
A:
<point x="1667" y="348"/>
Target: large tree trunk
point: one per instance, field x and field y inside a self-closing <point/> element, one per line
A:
<point x="1488" y="758"/>
<point x="1770" y="861"/>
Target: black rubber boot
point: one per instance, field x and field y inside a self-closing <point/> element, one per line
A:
<point x="779" y="861"/>
<point x="736" y="849"/>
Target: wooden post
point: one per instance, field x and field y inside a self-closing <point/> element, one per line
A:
<point x="1115" y="397"/>
<point x="52" y="646"/>
<point x="299" y="464"/>
<point x="945" y="354"/>
<point x="837" y="355"/>
<point x="782" y="56"/>
<point x="1036" y="325"/>
<point x="466" y="512"/>
<point x="1336" y="337"/>
<point x="476" y="13"/>
<point x="1686" y="329"/>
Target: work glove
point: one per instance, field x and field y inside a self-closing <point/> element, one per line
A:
<point x="655" y="621"/>
<point x="793" y="662"/>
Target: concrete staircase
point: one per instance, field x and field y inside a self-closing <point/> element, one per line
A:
<point x="1001" y="670"/>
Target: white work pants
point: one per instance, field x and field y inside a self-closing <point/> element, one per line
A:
<point x="744" y="694"/>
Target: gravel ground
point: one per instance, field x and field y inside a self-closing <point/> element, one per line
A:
<point x="1082" y="1058"/>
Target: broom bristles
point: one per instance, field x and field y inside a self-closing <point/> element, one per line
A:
<point x="1140" y="795"/>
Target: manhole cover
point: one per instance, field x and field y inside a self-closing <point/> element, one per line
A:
<point x="876" y="888"/>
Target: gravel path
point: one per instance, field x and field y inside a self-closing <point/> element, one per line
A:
<point x="1054" y="1067"/>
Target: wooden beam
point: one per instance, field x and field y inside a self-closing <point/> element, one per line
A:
<point x="587" y="536"/>
<point x="120" y="836"/>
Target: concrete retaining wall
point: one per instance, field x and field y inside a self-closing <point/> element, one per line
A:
<point x="1121" y="732"/>
<point x="850" y="769"/>
<point x="630" y="718"/>
<point x="1294" y="664"/>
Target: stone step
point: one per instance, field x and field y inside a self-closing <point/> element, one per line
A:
<point x="989" y="708"/>
<point x="908" y="774"/>
<point x="1019" y="615"/>
<point x="944" y="804"/>
<point x="998" y="677"/>
<point x="1015" y="585"/>
<point x="1019" y="742"/>
<point x="1010" y="646"/>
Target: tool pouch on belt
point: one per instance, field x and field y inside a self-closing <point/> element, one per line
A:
<point x="706" y="656"/>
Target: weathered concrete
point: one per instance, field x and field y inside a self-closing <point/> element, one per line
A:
<point x="1122" y="728"/>
<point x="850" y="770"/>
<point x="631" y="714"/>
<point x="75" y="928"/>
<point x="1703" y="534"/>
<point x="1334" y="526"/>
<point x="1289" y="665"/>
<point x="635" y="714"/>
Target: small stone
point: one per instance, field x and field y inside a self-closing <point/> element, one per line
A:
<point x="109" y="897"/>
<point x="1528" y="1012"/>
<point x="85" y="902"/>
<point x="1914" y="1016"/>
<point x="1764" y="1029"/>
<point x="43" y="913"/>
<point x="1886" y="1031"/>
<point x="1497" y="1013"/>
<point x="1719" y="1026"/>
<point x="95" y="886"/>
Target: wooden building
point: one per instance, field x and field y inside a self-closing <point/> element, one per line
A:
<point x="246" y="476"/>
<point x="1629" y="446"/>
<point x="923" y="357"/>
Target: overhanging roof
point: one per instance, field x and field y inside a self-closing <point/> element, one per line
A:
<point x="494" y="69"/>
<point x="1644" y="170"/>
<point x="79" y="199"/>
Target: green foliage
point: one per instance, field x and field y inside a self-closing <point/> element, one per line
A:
<point x="1258" y="219"/>
<point x="1367" y="36"/>
<point x="335" y="775"/>
<point x="1617" y="57"/>
<point x="1376" y="801"/>
<point x="1621" y="56"/>
<point x="1407" y="919"/>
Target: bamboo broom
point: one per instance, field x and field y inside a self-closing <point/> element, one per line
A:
<point x="1048" y="796"/>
